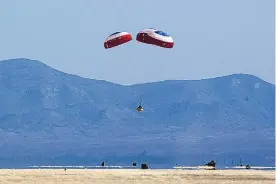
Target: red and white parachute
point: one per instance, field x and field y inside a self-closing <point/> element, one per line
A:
<point x="155" y="37"/>
<point x="117" y="39"/>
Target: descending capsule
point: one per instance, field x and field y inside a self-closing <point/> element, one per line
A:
<point x="155" y="37"/>
<point x="117" y="39"/>
<point x="139" y="108"/>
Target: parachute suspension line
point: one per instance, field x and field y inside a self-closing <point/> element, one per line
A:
<point x="134" y="93"/>
<point x="102" y="65"/>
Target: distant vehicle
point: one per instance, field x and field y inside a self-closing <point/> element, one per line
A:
<point x="116" y="39"/>
<point x="155" y="37"/>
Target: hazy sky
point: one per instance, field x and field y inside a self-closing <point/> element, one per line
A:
<point x="212" y="37"/>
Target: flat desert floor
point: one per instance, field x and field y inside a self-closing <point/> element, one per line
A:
<point x="96" y="176"/>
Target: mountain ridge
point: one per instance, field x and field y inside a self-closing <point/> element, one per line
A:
<point x="171" y="80"/>
<point x="50" y="116"/>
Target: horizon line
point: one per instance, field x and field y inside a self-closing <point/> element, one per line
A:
<point x="149" y="82"/>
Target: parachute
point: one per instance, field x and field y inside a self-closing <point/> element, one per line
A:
<point x="155" y="37"/>
<point x="116" y="39"/>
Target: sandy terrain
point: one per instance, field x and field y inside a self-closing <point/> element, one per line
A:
<point x="96" y="176"/>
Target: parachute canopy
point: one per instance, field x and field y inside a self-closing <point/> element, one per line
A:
<point x="116" y="39"/>
<point x="155" y="37"/>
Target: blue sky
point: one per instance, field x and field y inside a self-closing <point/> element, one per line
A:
<point x="212" y="37"/>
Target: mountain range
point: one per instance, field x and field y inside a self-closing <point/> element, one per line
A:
<point x="48" y="117"/>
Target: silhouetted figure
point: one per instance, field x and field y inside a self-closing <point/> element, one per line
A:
<point x="240" y="162"/>
<point x="144" y="166"/>
<point x="247" y="166"/>
<point x="102" y="164"/>
<point x="134" y="164"/>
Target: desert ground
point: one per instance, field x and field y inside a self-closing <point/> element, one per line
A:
<point x="127" y="176"/>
